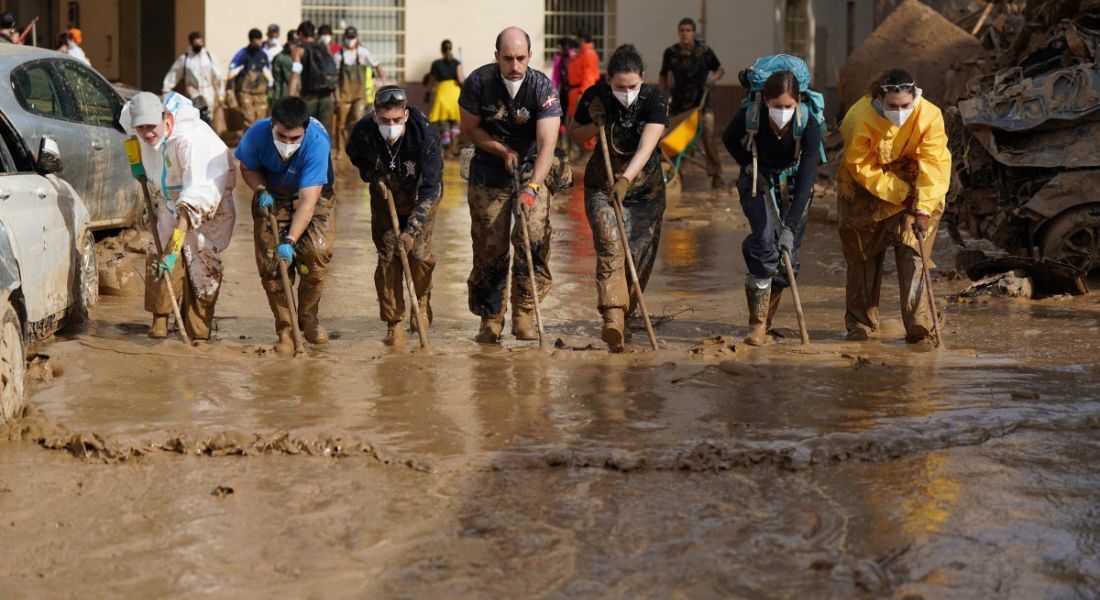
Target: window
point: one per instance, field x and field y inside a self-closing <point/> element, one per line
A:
<point x="380" y="25"/>
<point x="36" y="89"/>
<point x="564" y="18"/>
<point x="98" y="103"/>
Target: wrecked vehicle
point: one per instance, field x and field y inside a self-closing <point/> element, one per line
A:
<point x="47" y="93"/>
<point x="1027" y="160"/>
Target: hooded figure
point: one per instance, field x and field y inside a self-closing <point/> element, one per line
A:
<point x="191" y="177"/>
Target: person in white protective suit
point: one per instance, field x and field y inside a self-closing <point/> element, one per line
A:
<point x="191" y="177"/>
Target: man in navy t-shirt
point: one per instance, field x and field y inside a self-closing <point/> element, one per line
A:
<point x="285" y="160"/>
<point x="512" y="114"/>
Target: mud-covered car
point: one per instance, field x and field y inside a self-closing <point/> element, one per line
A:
<point x="1027" y="157"/>
<point x="47" y="93"/>
<point x="48" y="271"/>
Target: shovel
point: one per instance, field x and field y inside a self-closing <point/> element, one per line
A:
<point x="622" y="235"/>
<point x="133" y="153"/>
<point x="421" y="324"/>
<point x="927" y="275"/>
<point x="786" y="256"/>
<point x="288" y="289"/>
<point x="530" y="259"/>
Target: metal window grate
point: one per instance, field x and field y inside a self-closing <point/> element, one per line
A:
<point x="380" y="23"/>
<point x="564" y="18"/>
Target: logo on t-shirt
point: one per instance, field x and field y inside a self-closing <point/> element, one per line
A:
<point x="550" y="101"/>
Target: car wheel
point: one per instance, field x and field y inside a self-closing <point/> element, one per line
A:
<point x="87" y="293"/>
<point x="1073" y="237"/>
<point x="13" y="364"/>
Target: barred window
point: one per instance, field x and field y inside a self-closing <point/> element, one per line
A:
<point x="380" y="24"/>
<point x="564" y="18"/>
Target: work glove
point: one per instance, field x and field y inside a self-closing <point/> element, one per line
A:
<point x="285" y="249"/>
<point x="622" y="185"/>
<point x="264" y="200"/>
<point x="907" y="168"/>
<point x="528" y="197"/>
<point x="597" y="111"/>
<point x="407" y="242"/>
<point x="511" y="160"/>
<point x="171" y="254"/>
<point x="786" y="240"/>
<point x="921" y="220"/>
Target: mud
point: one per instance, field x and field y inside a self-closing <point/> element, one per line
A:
<point x="707" y="468"/>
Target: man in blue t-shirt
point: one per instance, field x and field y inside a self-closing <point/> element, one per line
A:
<point x="512" y="115"/>
<point x="285" y="160"/>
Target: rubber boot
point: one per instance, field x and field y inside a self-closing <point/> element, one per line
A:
<point x="425" y="303"/>
<point x="159" y="329"/>
<point x="309" y="301"/>
<point x="773" y="306"/>
<point x="284" y="345"/>
<point x="613" y="321"/>
<point x="758" y="314"/>
<point x="395" y="334"/>
<point x="490" y="330"/>
<point x="523" y="326"/>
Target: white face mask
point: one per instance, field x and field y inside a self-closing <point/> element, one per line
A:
<point x="349" y="43"/>
<point x="898" y="117"/>
<point x="626" y="98"/>
<point x="781" y="116"/>
<point x="286" y="150"/>
<point x="513" y="86"/>
<point x="326" y="39"/>
<point x="391" y="132"/>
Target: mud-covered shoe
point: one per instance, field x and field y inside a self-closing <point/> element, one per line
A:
<point x="284" y="345"/>
<point x="395" y="334"/>
<point x="858" y="334"/>
<point x="918" y="334"/>
<point x="490" y="330"/>
<point x="159" y="329"/>
<point x="523" y="326"/>
<point x="613" y="329"/>
<point x="312" y="330"/>
<point x="758" y="314"/>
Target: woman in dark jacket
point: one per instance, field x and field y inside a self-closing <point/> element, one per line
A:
<point x="779" y="155"/>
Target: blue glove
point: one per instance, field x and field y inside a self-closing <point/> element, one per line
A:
<point x="285" y="250"/>
<point x="167" y="264"/>
<point x="265" y="200"/>
<point x="786" y="240"/>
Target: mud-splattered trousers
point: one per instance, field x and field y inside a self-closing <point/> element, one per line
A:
<point x="868" y="226"/>
<point x="643" y="212"/>
<point x="492" y="222"/>
<point x="761" y="247"/>
<point x="313" y="255"/>
<point x="388" y="275"/>
<point x="253" y="107"/>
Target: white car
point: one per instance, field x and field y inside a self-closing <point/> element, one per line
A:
<point x="48" y="271"/>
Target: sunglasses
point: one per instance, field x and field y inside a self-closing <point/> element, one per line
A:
<point x="390" y="95"/>
<point x="898" y="87"/>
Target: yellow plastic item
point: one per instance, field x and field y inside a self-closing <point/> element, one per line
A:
<point x="177" y="241"/>
<point x="681" y="137"/>
<point x="133" y="154"/>
<point x="871" y="143"/>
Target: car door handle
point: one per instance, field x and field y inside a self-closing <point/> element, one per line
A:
<point x="40" y="192"/>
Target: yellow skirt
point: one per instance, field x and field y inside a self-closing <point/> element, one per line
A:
<point x="445" y="102"/>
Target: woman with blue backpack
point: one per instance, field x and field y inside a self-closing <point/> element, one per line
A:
<point x="777" y="141"/>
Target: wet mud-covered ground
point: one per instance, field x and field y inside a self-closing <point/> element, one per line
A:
<point x="707" y="468"/>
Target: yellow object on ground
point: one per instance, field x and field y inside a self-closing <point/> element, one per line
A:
<point x="873" y="145"/>
<point x="445" y="102"/>
<point x="681" y="136"/>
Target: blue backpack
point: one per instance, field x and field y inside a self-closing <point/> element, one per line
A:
<point x="811" y="102"/>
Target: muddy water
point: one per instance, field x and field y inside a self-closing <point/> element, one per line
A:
<point x="705" y="468"/>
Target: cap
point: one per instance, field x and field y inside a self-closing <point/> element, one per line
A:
<point x="7" y="20"/>
<point x="77" y="36"/>
<point x="350" y="32"/>
<point x="145" y="109"/>
<point x="273" y="28"/>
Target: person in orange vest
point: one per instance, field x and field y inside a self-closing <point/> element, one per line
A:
<point x="584" y="72"/>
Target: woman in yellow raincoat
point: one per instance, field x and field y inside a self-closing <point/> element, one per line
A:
<point x="445" y="81"/>
<point x="892" y="186"/>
